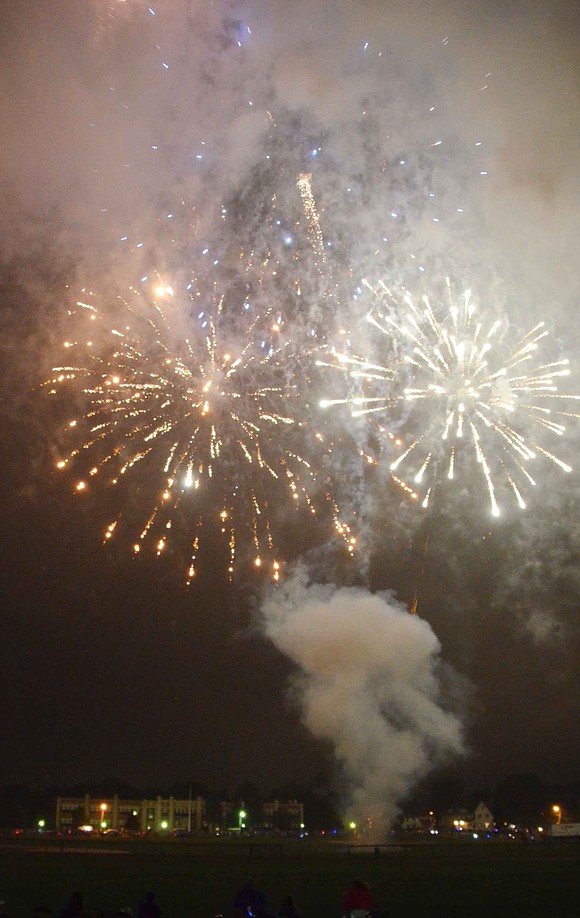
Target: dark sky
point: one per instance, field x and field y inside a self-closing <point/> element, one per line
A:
<point x="108" y="664"/>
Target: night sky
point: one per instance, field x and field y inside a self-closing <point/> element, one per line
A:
<point x="112" y="117"/>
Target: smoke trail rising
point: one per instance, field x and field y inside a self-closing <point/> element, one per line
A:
<point x="368" y="683"/>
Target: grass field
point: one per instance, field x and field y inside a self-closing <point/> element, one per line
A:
<point x="190" y="880"/>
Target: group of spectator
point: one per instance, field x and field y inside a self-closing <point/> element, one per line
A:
<point x="249" y="902"/>
<point x="147" y="908"/>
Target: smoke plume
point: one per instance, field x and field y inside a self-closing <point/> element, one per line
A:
<point x="367" y="683"/>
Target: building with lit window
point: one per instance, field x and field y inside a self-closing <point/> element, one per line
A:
<point x="285" y="817"/>
<point x="479" y="820"/>
<point x="271" y="817"/>
<point x="113" y="813"/>
<point x="482" y="818"/>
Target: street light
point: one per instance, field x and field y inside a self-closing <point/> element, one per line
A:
<point x="558" y="813"/>
<point x="103" y="808"/>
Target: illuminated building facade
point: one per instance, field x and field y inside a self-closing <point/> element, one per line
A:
<point x="288" y="817"/>
<point x="482" y="818"/>
<point x="116" y="814"/>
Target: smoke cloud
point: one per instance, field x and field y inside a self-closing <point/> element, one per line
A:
<point x="446" y="140"/>
<point x="367" y="683"/>
<point x="108" y="107"/>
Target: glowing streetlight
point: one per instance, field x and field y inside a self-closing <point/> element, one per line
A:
<point x="558" y="813"/>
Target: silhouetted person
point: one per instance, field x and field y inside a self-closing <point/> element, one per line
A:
<point x="75" y="908"/>
<point x="41" y="911"/>
<point x="148" y="908"/>
<point x="288" y="909"/>
<point x="358" y="900"/>
<point x="250" y="901"/>
<point x="3" y="910"/>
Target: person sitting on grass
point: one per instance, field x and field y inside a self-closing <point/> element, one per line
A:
<point x="288" y="909"/>
<point x="250" y="901"/>
<point x="148" y="908"/>
<point x="75" y="907"/>
<point x="358" y="901"/>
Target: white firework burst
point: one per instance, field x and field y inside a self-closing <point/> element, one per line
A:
<point x="468" y="393"/>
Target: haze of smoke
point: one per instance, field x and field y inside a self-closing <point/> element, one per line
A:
<point x="97" y="137"/>
<point x="367" y="684"/>
<point x="100" y="126"/>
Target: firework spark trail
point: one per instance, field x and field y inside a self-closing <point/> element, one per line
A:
<point x="108" y="12"/>
<point x="469" y="393"/>
<point x="206" y="418"/>
<point x="313" y="217"/>
<point x="359" y="367"/>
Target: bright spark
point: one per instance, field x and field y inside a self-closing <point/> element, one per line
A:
<point x="467" y="393"/>
<point x="195" y="429"/>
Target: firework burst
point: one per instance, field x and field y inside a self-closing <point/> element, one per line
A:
<point x="201" y="422"/>
<point x="455" y="391"/>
